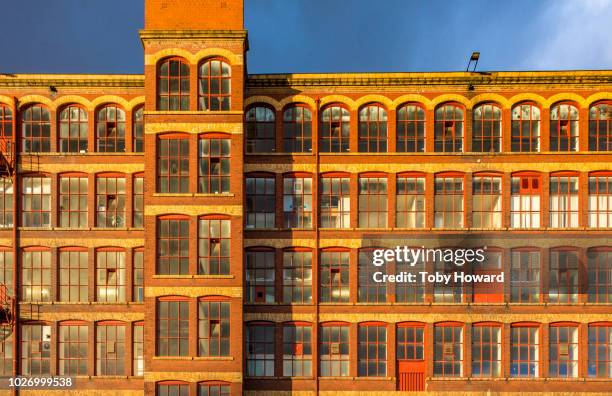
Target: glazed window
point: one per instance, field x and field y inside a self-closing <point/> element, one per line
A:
<point x="110" y="276"/>
<point x="410" y="292"/>
<point x="410" y="342"/>
<point x="600" y="127"/>
<point x="214" y="166"/>
<point x="525" y="276"/>
<point x="486" y="351"/>
<point x="448" y="130"/>
<point x="487" y="202"/>
<point x="36" y="130"/>
<point x="138" y="350"/>
<point x="334" y="277"/>
<point x="172" y="328"/>
<point x="73" y="130"/>
<point x="35" y="349"/>
<point x="297" y="277"/>
<point x="600" y="351"/>
<point x="410" y="129"/>
<point x="297" y="130"/>
<point x="214" y="247"/>
<point x="451" y="292"/>
<point x="260" y="202"/>
<point x="373" y="129"/>
<point x="368" y="290"/>
<point x="110" y="130"/>
<point x="213" y="389"/>
<point x="6" y="202"/>
<point x="138" y="195"/>
<point x="563" y="201"/>
<point x="110" y="202"/>
<point x="448" y="351"/>
<point x="214" y="85"/>
<point x="213" y="328"/>
<point x="410" y="202"/>
<point x="525" y="202"/>
<point x="173" y="165"/>
<point x="335" y="130"/>
<point x="525" y="128"/>
<point x="36" y="202"/>
<point x="524" y="351"/>
<point x="6" y="355"/>
<point x="334" y="351"/>
<point x="372" y="351"/>
<point x="600" y="201"/>
<point x="564" y="128"/>
<point x="297" y="350"/>
<point x="138" y="276"/>
<point x="563" y="278"/>
<point x="373" y="202"/>
<point x="448" y="202"/>
<point x="72" y="349"/>
<point x="297" y="202"/>
<point x="563" y="351"/>
<point x="6" y="271"/>
<point x="110" y="349"/>
<point x="173" y="85"/>
<point x="486" y="128"/>
<point x="73" y="202"/>
<point x="173" y="247"/>
<point x="260" y="130"/>
<point x="260" y="350"/>
<point x="172" y="389"/>
<point x="335" y="202"/>
<point x="6" y="129"/>
<point x="260" y="276"/>
<point x="599" y="275"/>
<point x="36" y="275"/>
<point x="73" y="276"/>
<point x="138" y="130"/>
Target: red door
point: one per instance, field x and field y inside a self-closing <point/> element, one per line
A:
<point x="411" y="375"/>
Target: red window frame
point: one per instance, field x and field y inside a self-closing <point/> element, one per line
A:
<point x="7" y="346"/>
<point x="297" y="349"/>
<point x="485" y="214"/>
<point x="599" y="275"/>
<point x="410" y="200"/>
<point x="172" y="388"/>
<point x="214" y="154"/>
<point x="138" y="129"/>
<point x="260" y="124"/>
<point x="110" y="275"/>
<point x="486" y="350"/>
<point x="600" y="126"/>
<point x="297" y="129"/>
<point x="334" y="353"/>
<point x="487" y="128"/>
<point x="525" y="276"/>
<point x="73" y="352"/>
<point x="173" y="235"/>
<point x="410" y="341"/>
<point x="138" y="197"/>
<point x="38" y="285"/>
<point x="110" y="348"/>
<point x="260" y="274"/>
<point x="297" y="276"/>
<point x="73" y="275"/>
<point x="373" y="132"/>
<point x="35" y="351"/>
<point x="410" y="292"/>
<point x="7" y="262"/>
<point x="334" y="275"/>
<point x="564" y="274"/>
<point x="110" y="200"/>
<point x="172" y="342"/>
<point x="368" y="290"/>
<point x="410" y="126"/>
<point x="6" y="129"/>
<point x="599" y="364"/>
<point x="448" y="340"/>
<point x="110" y="129"/>
<point x="260" y="342"/>
<point x="445" y="185"/>
<point x="561" y="344"/>
<point x="260" y="201"/>
<point x="334" y="131"/>
<point x="525" y="337"/>
<point x="335" y="192"/>
<point x="526" y="184"/>
<point x="298" y="200"/>
<point x="7" y="195"/>
<point x="526" y="128"/>
<point x="138" y="275"/>
<point x="36" y="129"/>
<point x="214" y="245"/>
<point x="73" y="206"/>
<point x="372" y="349"/>
<point x="564" y="121"/>
<point x="564" y="202"/>
<point x="600" y="200"/>
<point x="213" y="326"/>
<point x="214" y="388"/>
<point x="72" y="120"/>
<point x="37" y="211"/>
<point x="138" y="349"/>
<point x="214" y="85"/>
<point x="173" y="75"/>
<point x="173" y="163"/>
<point x="451" y="292"/>
<point x="449" y="124"/>
<point x="373" y="201"/>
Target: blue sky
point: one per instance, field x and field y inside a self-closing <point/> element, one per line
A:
<point x="101" y="36"/>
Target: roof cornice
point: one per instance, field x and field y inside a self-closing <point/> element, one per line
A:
<point x="191" y="34"/>
<point x="71" y="80"/>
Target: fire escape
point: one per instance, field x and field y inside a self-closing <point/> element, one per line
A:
<point x="7" y="301"/>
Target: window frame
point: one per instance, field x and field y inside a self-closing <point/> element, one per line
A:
<point x="327" y="125"/>
<point x="570" y="137"/>
<point x="222" y="319"/>
<point x="208" y="174"/>
<point x="493" y="216"/>
<point x="457" y="128"/>
<point x="65" y="201"/>
<point x="180" y="160"/>
<point x="479" y="343"/>
<point x="166" y="342"/>
<point x="337" y="262"/>
<point x="519" y="270"/>
<point x="327" y="196"/>
<point x="526" y="216"/>
<point x="42" y="142"/>
<point x="260" y="129"/>
<point x="109" y="185"/>
<point x="338" y="338"/>
<point x="364" y="356"/>
<point x="68" y="268"/>
<point x="480" y="135"/>
<point x="182" y="242"/>
<point x="441" y="214"/>
<point x="29" y="215"/>
<point x="103" y="360"/>
<point x="103" y="271"/>
<point x="41" y="354"/>
<point x="253" y="285"/>
<point x="533" y="341"/>
<point x="416" y="342"/>
<point x="373" y="185"/>
<point x="255" y="201"/>
<point x="518" y="125"/>
<point x="138" y="129"/>
<point x="82" y="345"/>
<point x="291" y="281"/>
<point x="224" y="94"/>
<point x="297" y="200"/>
<point x="299" y="118"/>
<point x="208" y="238"/>
<point x="600" y="346"/>
<point x="562" y="277"/>
<point x="599" y="275"/>
<point x="411" y="132"/>
<point x="297" y="352"/>
<point x="441" y="346"/>
<point x="373" y="129"/>
<point x="418" y="210"/>
<point x="597" y="122"/>
<point x="69" y="144"/>
<point x="555" y="349"/>
<point x="600" y="202"/>
<point x="267" y="344"/>
<point x="105" y="143"/>
<point x="182" y="95"/>
<point x="564" y="213"/>
<point x="29" y="264"/>
<point x="7" y="199"/>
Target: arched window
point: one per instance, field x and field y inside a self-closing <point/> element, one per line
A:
<point x="525" y="128"/>
<point x="564" y="128"/>
<point x="110" y="130"/>
<point x="486" y="128"/>
<point x="297" y="130"/>
<point x="173" y="85"/>
<point x="214" y="85"/>
<point x="335" y="129"/>
<point x="138" y="130"/>
<point x="6" y="128"/>
<point x="36" y="129"/>
<point x="372" y="129"/>
<point x="448" y="130"/>
<point x="410" y="129"/>
<point x="600" y="127"/>
<point x="214" y="388"/>
<point x="260" y="130"/>
<point x="73" y="130"/>
<point x="173" y="163"/>
<point x="172" y="388"/>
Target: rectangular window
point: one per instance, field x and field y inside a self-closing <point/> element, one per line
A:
<point x="599" y="270"/>
<point x="214" y="242"/>
<point x="297" y="202"/>
<point x="372" y="351"/>
<point x="138" y="208"/>
<point x="110" y="276"/>
<point x="172" y="389"/>
<point x="410" y="202"/>
<point x="334" y="351"/>
<point x="448" y="202"/>
<point x="110" y="202"/>
<point x="451" y="292"/>
<point x="600" y="202"/>
<point x="73" y="276"/>
<point x="138" y="125"/>
<point x="297" y="351"/>
<point x="36" y="276"/>
<point x="448" y="351"/>
<point x="36" y="202"/>
<point x="138" y="350"/>
<point x="487" y="202"/>
<point x="72" y="349"/>
<point x="173" y="166"/>
<point x="335" y="202"/>
<point x="525" y="276"/>
<point x="35" y="349"/>
<point x="563" y="283"/>
<point x="410" y="343"/>
<point x="524" y="352"/>
<point x="110" y="350"/>
<point x="410" y="129"/>
<point x="525" y="202"/>
<point x="73" y="202"/>
<point x="373" y="202"/>
<point x="260" y="202"/>
<point x="563" y="351"/>
<point x="173" y="247"/>
<point x="486" y="351"/>
<point x="213" y="389"/>
<point x="368" y="290"/>
<point x="297" y="277"/>
<point x="563" y="201"/>
<point x="334" y="277"/>
<point x="260" y="350"/>
<point x="260" y="275"/>
<point x="213" y="328"/>
<point x="6" y="271"/>
<point x="138" y="276"/>
<point x="6" y="355"/>
<point x="6" y="202"/>
<point x="214" y="166"/>
<point x="600" y="352"/>
<point x="410" y="292"/>
<point x="172" y="328"/>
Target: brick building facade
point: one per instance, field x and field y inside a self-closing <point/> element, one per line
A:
<point x="197" y="230"/>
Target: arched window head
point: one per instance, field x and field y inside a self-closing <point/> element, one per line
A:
<point x="448" y="131"/>
<point x="260" y="136"/>
<point x="564" y="128"/>
<point x="410" y="129"/>
<point x="110" y="130"/>
<point x="297" y="130"/>
<point x="173" y="85"/>
<point x="525" y="128"/>
<point x="214" y="90"/>
<point x="36" y="129"/>
<point x="486" y="128"/>
<point x="335" y="129"/>
<point x="373" y="129"/>
<point x="73" y="130"/>
<point x="600" y="127"/>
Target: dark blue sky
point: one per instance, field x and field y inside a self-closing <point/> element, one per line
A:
<point x="101" y="36"/>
